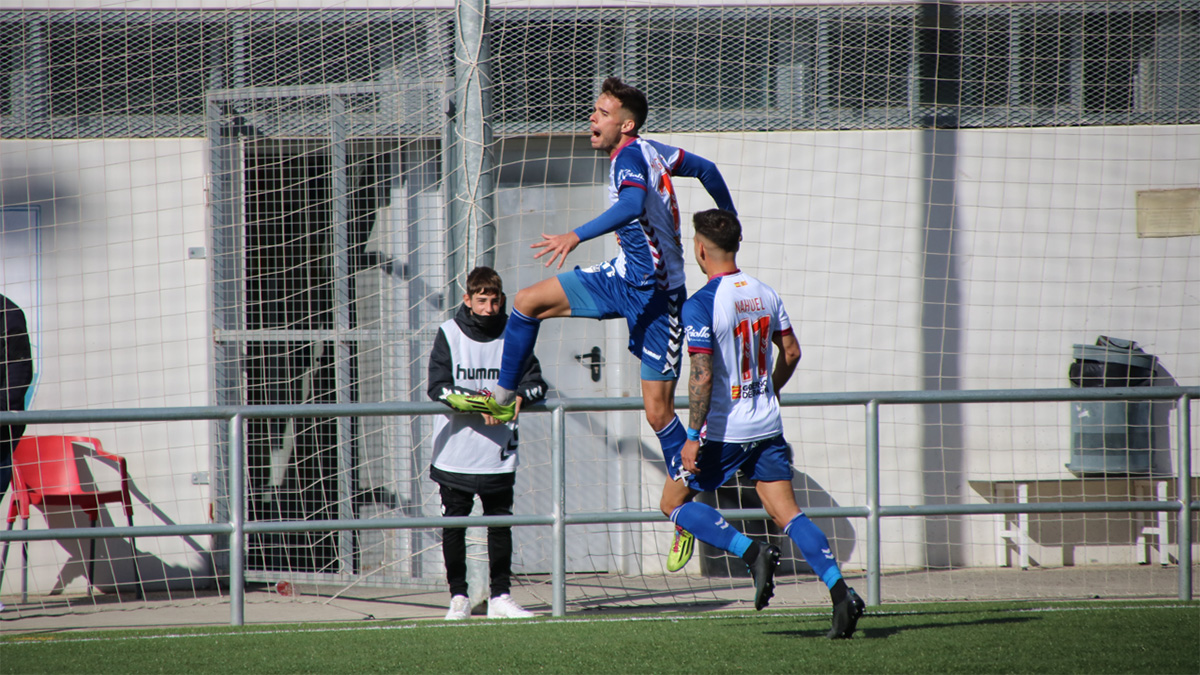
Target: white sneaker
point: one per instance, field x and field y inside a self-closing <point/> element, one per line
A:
<point x="504" y="607"/>
<point x="460" y="608"/>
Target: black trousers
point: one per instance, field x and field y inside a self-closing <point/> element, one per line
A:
<point x="10" y="434"/>
<point x="457" y="502"/>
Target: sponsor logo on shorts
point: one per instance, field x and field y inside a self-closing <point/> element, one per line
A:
<point x="604" y="268"/>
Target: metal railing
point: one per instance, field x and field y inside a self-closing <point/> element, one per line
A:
<point x="873" y="511"/>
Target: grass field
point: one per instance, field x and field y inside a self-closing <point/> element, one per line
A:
<point x="1024" y="637"/>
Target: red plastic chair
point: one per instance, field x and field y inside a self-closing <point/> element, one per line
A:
<point x="46" y="473"/>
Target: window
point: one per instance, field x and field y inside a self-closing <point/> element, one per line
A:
<point x="546" y="70"/>
<point x="316" y="51"/>
<point x="1118" y="61"/>
<point x="869" y="60"/>
<point x="149" y="66"/>
<point x="1047" y="60"/>
<point x="986" y="55"/>
<point x="708" y="64"/>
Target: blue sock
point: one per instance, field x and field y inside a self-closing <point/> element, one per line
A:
<point x="707" y="525"/>
<point x="815" y="547"/>
<point x="671" y="438"/>
<point x="520" y="334"/>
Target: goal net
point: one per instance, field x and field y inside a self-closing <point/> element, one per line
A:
<point x="276" y="203"/>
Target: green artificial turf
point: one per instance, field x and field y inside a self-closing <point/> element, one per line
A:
<point x="1023" y="637"/>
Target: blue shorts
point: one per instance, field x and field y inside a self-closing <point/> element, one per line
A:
<point x="767" y="459"/>
<point x="655" y="329"/>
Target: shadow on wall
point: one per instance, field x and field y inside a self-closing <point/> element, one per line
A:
<point x="113" y="567"/>
<point x="26" y="180"/>
<point x="943" y="474"/>
<point x="740" y="494"/>
<point x="1161" y="461"/>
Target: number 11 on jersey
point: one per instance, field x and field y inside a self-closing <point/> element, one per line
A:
<point x="754" y="340"/>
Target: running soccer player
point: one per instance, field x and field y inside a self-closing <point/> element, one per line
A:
<point x="644" y="283"/>
<point x="732" y="325"/>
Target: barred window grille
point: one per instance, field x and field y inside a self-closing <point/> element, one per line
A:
<point x="546" y="70"/>
<point x="97" y="66"/>
<point x="870" y="60"/>
<point x="1118" y="60"/>
<point x="313" y="50"/>
<point x="987" y="60"/>
<point x="145" y="73"/>
<point x="13" y="36"/>
<point x="708" y="64"/>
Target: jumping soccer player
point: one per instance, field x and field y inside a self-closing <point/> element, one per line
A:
<point x="644" y="283"/>
<point x="732" y="324"/>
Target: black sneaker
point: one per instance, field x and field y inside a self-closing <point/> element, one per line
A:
<point x="763" y="572"/>
<point x="845" y="616"/>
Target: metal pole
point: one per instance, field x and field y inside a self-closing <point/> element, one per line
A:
<point x="237" y="516"/>
<point x="873" y="536"/>
<point x="1185" y="496"/>
<point x="341" y="347"/>
<point x="473" y="84"/>
<point x="558" y="468"/>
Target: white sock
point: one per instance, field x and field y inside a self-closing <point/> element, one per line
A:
<point x="503" y="396"/>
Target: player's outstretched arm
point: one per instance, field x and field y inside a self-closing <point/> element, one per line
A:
<point x="785" y="363"/>
<point x="557" y="246"/>
<point x="695" y="166"/>
<point x="627" y="209"/>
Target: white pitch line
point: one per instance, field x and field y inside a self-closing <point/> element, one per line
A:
<point x="432" y="624"/>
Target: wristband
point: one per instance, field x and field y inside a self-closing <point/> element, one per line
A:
<point x="693" y="434"/>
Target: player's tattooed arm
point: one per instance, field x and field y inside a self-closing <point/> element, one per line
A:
<point x="785" y="363"/>
<point x="700" y="384"/>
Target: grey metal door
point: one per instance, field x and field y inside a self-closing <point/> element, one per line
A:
<point x="328" y="262"/>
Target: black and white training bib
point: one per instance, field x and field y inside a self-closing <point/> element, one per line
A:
<point x="463" y="443"/>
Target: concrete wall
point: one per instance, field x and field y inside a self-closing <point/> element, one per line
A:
<point x="122" y="323"/>
<point x="1043" y="253"/>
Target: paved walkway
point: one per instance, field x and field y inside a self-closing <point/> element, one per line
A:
<point x="588" y="596"/>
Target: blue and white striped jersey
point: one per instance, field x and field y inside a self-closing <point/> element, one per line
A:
<point x="733" y="317"/>
<point x="651" y="250"/>
<point x="645" y="212"/>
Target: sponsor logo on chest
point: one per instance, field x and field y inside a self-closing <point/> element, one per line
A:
<point x="465" y="373"/>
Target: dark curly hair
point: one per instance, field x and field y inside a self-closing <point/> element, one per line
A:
<point x="632" y="99"/>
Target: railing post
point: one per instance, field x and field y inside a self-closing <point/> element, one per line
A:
<point x="237" y="518"/>
<point x="558" y="467"/>
<point x="873" y="536"/>
<point x="1185" y="495"/>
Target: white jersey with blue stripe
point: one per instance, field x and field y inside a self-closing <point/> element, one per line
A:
<point x="734" y="318"/>
<point x="651" y="252"/>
